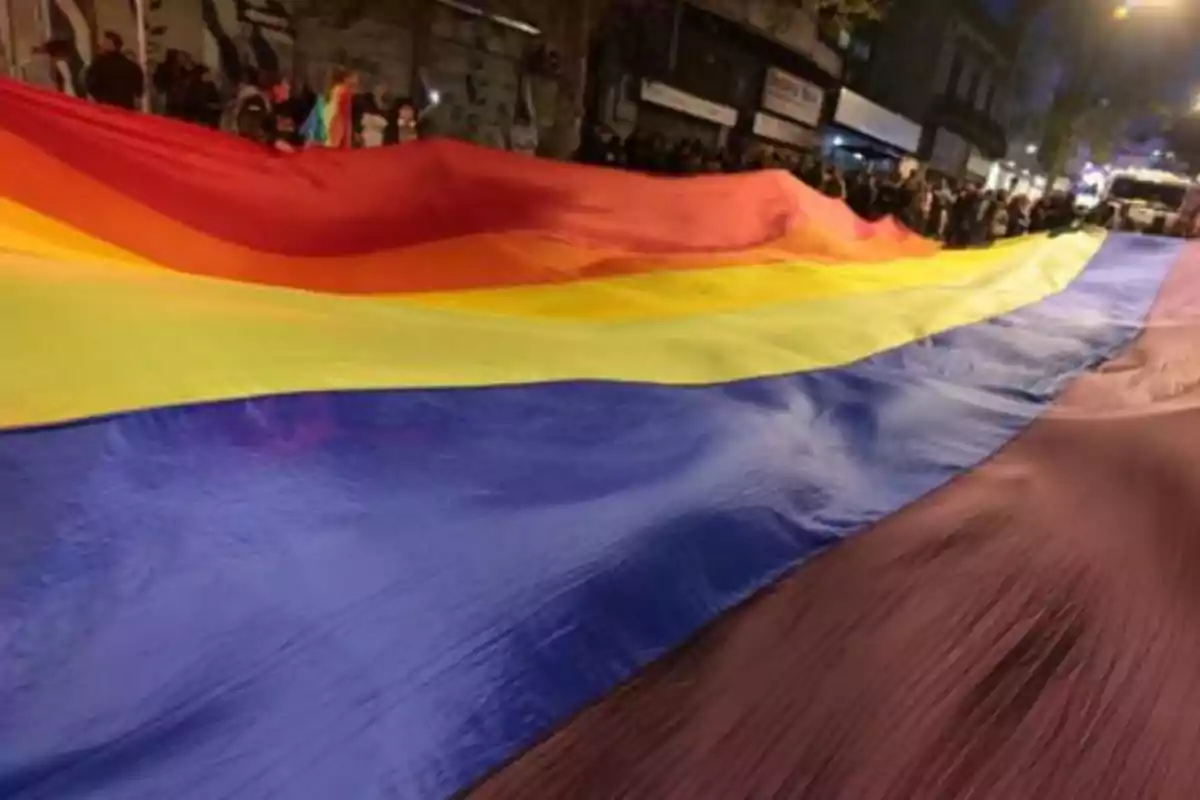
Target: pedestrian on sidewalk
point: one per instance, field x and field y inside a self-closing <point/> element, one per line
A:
<point x="113" y="78"/>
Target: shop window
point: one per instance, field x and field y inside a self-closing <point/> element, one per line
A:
<point x="710" y="65"/>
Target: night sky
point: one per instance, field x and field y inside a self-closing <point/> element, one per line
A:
<point x="999" y="8"/>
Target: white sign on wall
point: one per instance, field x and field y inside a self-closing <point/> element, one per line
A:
<point x="660" y="94"/>
<point x="857" y="112"/>
<point x="792" y="97"/>
<point x="780" y="130"/>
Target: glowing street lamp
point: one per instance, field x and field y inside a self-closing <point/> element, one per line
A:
<point x="1123" y="11"/>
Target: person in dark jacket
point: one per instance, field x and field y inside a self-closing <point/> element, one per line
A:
<point x="164" y="81"/>
<point x="832" y="185"/>
<point x="862" y="194"/>
<point x="113" y="77"/>
<point x="204" y="100"/>
<point x="963" y="216"/>
<point x="888" y="201"/>
<point x="1018" y="216"/>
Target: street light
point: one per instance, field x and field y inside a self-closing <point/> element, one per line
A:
<point x="1126" y="8"/>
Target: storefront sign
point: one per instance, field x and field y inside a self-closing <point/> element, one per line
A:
<point x="792" y="97"/>
<point x="780" y="130"/>
<point x="660" y="94"/>
<point x="858" y="113"/>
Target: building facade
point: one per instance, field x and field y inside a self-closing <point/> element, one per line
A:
<point x="750" y="75"/>
<point x="944" y="65"/>
<point x="475" y="61"/>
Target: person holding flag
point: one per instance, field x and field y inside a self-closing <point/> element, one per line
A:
<point x="331" y="122"/>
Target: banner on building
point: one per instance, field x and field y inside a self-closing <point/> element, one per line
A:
<point x="792" y="97"/>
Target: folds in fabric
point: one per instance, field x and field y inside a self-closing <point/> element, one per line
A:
<point x="438" y="215"/>
<point x="1027" y="631"/>
<point x="372" y="507"/>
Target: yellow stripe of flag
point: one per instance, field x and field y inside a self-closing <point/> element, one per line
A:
<point x="147" y="337"/>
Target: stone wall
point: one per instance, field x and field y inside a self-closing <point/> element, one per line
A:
<point x="379" y="50"/>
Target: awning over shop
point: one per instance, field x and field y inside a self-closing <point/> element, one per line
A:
<point x="661" y="94"/>
<point x="858" y="113"/>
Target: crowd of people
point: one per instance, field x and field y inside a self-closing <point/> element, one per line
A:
<point x="957" y="212"/>
<point x="260" y="106"/>
<point x="265" y="108"/>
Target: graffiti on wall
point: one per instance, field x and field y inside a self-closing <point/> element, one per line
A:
<point x="242" y="35"/>
<point x="73" y="23"/>
<point x="7" y="51"/>
<point x="79" y="24"/>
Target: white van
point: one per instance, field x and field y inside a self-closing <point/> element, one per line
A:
<point x="1146" y="200"/>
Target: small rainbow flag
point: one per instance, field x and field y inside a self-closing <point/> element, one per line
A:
<point x="329" y="123"/>
<point x="518" y="479"/>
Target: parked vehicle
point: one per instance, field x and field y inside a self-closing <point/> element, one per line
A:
<point x="1149" y="201"/>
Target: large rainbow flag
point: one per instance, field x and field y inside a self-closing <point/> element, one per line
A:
<point x="521" y="479"/>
